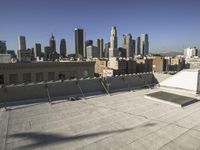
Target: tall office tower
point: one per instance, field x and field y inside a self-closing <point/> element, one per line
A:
<point x="63" y="47"/>
<point x="3" y="48"/>
<point x="134" y="44"/>
<point x="22" y="42"/>
<point x="52" y="43"/>
<point x="113" y="51"/>
<point x="138" y="46"/>
<point x="47" y="52"/>
<point x="144" y="44"/>
<point x="37" y="50"/>
<point x="113" y="37"/>
<point x="101" y="48"/>
<point x="127" y="43"/>
<point x="106" y="49"/>
<point x="100" y="44"/>
<point x="88" y="43"/>
<point x="92" y="52"/>
<point x="79" y="42"/>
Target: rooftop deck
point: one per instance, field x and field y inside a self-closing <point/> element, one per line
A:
<point x="122" y="121"/>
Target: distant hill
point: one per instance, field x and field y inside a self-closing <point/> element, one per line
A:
<point x="171" y="53"/>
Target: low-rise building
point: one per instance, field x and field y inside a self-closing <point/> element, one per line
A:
<point x="190" y="52"/>
<point x="100" y="65"/>
<point x="144" y="65"/>
<point x="25" y="55"/>
<point x="118" y="66"/>
<point x="192" y="63"/>
<point x="176" y="63"/>
<point x="122" y="66"/>
<point x="131" y="66"/>
<point x="5" y="58"/>
<point x="158" y="63"/>
<point x="17" y="73"/>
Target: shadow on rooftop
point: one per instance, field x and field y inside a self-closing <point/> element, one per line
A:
<point x="44" y="139"/>
<point x="30" y="103"/>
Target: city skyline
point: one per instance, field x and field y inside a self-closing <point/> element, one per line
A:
<point x="170" y="28"/>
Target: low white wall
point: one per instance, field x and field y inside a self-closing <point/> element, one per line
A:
<point x="161" y="76"/>
<point x="69" y="87"/>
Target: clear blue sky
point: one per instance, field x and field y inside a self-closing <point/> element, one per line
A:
<point x="171" y="24"/>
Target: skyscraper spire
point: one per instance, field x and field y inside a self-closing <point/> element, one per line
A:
<point x="52" y="43"/>
<point x="52" y="37"/>
<point x="113" y="50"/>
<point x="113" y="37"/>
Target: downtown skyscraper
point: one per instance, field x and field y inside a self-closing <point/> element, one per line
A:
<point x="100" y="46"/>
<point x="113" y="50"/>
<point x="3" y="47"/>
<point x="63" y="47"/>
<point x="79" y="43"/>
<point x="144" y="44"/>
<point x="37" y="50"/>
<point x="52" y="43"/>
<point x="129" y="44"/>
<point x="138" y="46"/>
<point x="113" y="37"/>
<point x="22" y="42"/>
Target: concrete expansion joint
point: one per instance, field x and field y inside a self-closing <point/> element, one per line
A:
<point x="174" y="139"/>
<point x="141" y="138"/>
<point x="7" y="129"/>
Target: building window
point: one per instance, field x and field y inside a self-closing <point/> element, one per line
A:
<point x="27" y="77"/>
<point x="39" y="77"/>
<point x="61" y="76"/>
<point x="1" y="79"/>
<point x="51" y="76"/>
<point x="13" y="78"/>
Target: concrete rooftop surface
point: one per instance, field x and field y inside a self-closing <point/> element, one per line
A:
<point x="123" y="121"/>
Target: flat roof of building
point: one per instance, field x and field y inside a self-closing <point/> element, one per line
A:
<point x="123" y="121"/>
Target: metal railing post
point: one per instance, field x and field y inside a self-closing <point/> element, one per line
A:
<point x="101" y="81"/>
<point x="5" y="92"/>
<point x="77" y="83"/>
<point x="48" y="93"/>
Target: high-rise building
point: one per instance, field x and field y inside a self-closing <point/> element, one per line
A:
<point x="52" y="43"/>
<point x="22" y="42"/>
<point x="134" y="44"/>
<point x="92" y="52"/>
<point x="127" y="43"/>
<point x="106" y="49"/>
<point x="113" y="38"/>
<point x="100" y="45"/>
<point x="144" y="44"/>
<point x="79" y="42"/>
<point x="101" y="48"/>
<point x="138" y="46"/>
<point x="113" y="51"/>
<point x="47" y="52"/>
<point x="122" y="52"/>
<point x="3" y="48"/>
<point x="37" y="50"/>
<point x="63" y="47"/>
<point x="87" y="43"/>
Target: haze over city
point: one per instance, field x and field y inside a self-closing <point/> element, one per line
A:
<point x="171" y="25"/>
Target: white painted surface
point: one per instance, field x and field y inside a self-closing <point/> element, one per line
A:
<point x="186" y="79"/>
<point x="124" y="121"/>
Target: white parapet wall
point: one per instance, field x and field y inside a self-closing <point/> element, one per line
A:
<point x="187" y="80"/>
<point x="72" y="87"/>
